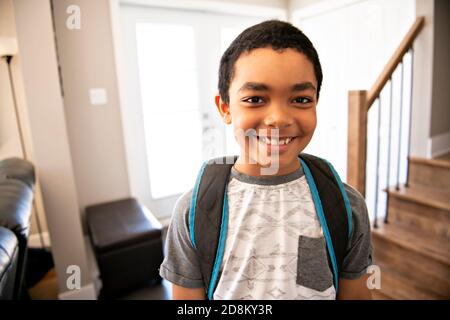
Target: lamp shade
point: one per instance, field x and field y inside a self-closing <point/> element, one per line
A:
<point x="8" y="46"/>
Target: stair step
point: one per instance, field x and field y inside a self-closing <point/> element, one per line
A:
<point x="421" y="209"/>
<point x="445" y="157"/>
<point x="423" y="195"/>
<point x="443" y="162"/>
<point x="429" y="246"/>
<point x="401" y="286"/>
<point x="425" y="258"/>
<point x="434" y="173"/>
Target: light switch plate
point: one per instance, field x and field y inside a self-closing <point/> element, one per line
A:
<point x="98" y="96"/>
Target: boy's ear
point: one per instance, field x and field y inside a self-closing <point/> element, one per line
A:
<point x="224" y="109"/>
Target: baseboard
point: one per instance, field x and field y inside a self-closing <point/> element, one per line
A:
<point x="439" y="145"/>
<point x="34" y="240"/>
<point x="86" y="292"/>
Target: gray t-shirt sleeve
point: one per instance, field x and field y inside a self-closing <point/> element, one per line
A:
<point x="359" y="249"/>
<point x="180" y="265"/>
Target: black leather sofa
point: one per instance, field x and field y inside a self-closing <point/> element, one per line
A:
<point x="17" y="180"/>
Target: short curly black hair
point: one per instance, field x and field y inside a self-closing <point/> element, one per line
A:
<point x="276" y="34"/>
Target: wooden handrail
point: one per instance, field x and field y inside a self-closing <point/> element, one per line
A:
<point x="396" y="58"/>
<point x="359" y="103"/>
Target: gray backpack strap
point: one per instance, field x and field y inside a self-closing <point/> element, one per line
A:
<point x="208" y="218"/>
<point x="332" y="207"/>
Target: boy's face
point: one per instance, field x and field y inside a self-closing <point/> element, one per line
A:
<point x="273" y="95"/>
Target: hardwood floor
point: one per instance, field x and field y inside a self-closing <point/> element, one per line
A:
<point x="46" y="288"/>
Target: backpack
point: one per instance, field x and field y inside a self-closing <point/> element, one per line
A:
<point x="208" y="214"/>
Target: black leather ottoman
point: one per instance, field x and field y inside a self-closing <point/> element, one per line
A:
<point x="127" y="244"/>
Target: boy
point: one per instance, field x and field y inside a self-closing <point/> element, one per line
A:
<point x="274" y="246"/>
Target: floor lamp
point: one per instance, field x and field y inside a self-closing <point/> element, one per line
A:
<point x="8" y="49"/>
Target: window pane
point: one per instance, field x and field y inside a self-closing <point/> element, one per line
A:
<point x="173" y="152"/>
<point x="169" y="95"/>
<point x="167" y="66"/>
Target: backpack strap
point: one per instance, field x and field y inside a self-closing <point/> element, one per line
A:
<point x="208" y="214"/>
<point x="332" y="207"/>
<point x="208" y="218"/>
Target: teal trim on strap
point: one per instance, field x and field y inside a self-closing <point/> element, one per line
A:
<point x="346" y="200"/>
<point x="320" y="214"/>
<point x="193" y="205"/>
<point x="221" y="247"/>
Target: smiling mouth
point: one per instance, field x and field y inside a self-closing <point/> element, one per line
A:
<point x="277" y="141"/>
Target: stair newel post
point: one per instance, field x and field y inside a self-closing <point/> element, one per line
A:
<point x="357" y="140"/>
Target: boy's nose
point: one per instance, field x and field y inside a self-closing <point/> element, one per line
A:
<point x="278" y="116"/>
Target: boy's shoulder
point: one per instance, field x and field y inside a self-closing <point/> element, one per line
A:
<point x="357" y="203"/>
<point x="180" y="216"/>
<point x="184" y="201"/>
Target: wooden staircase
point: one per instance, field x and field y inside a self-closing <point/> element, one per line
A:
<point x="413" y="248"/>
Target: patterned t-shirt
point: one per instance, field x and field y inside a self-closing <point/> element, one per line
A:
<point x="275" y="248"/>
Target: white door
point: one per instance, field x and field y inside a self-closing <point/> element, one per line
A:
<point x="170" y="61"/>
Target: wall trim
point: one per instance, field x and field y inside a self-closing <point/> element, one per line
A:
<point x="244" y="9"/>
<point x="86" y="292"/>
<point x="439" y="145"/>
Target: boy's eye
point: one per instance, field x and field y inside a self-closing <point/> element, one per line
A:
<point x="302" y="100"/>
<point x="254" y="100"/>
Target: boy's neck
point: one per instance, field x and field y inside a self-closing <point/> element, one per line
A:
<point x="255" y="170"/>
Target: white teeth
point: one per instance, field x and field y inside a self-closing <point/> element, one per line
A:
<point x="275" y="142"/>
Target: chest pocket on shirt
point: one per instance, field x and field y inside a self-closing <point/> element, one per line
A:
<point x="312" y="266"/>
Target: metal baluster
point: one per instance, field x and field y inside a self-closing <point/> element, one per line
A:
<point x="389" y="153"/>
<point x="411" y="50"/>
<point x="375" y="225"/>
<point x="397" y="187"/>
